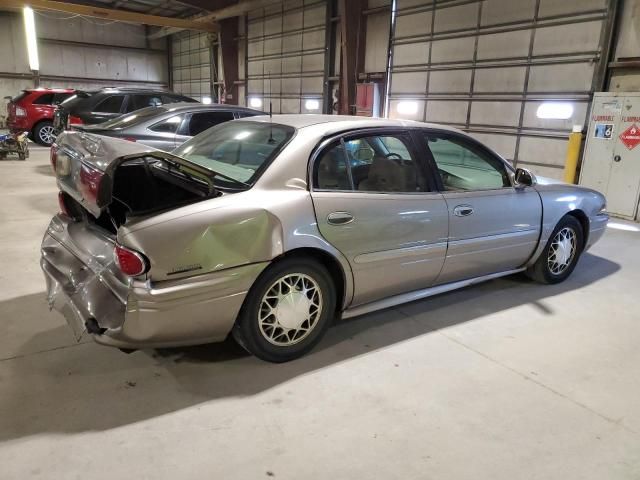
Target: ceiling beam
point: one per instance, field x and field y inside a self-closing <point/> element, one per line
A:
<point x="231" y="11"/>
<point x="111" y="14"/>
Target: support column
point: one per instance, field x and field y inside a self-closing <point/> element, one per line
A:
<point x="353" y="39"/>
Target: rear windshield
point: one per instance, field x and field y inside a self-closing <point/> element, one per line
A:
<point x="20" y="96"/>
<point x="135" y="118"/>
<point x="240" y="150"/>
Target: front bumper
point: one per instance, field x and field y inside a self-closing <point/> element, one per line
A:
<point x="84" y="284"/>
<point x="597" y="227"/>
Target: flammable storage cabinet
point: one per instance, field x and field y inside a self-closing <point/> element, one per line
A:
<point x="611" y="161"/>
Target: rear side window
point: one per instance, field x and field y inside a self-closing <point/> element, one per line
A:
<point x="169" y="125"/>
<point x="202" y="121"/>
<point x="375" y="163"/>
<point x="111" y="104"/>
<point x="44" y="99"/>
<point x="331" y="170"/>
<point x="60" y="97"/>
<point x="136" y="102"/>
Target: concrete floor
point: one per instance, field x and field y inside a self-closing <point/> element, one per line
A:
<point x="505" y="380"/>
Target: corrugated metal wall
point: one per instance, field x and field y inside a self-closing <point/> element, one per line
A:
<point x="79" y="53"/>
<point x="286" y="53"/>
<point x="486" y="66"/>
<point x="191" y="64"/>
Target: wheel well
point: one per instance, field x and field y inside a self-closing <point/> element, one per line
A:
<point x="330" y="263"/>
<point x="584" y="223"/>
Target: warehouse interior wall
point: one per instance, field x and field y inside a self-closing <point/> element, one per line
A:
<point x="626" y="76"/>
<point x="82" y="53"/>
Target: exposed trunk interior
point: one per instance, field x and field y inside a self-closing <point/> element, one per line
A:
<point x="143" y="187"/>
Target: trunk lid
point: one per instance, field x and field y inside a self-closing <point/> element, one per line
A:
<point x="85" y="165"/>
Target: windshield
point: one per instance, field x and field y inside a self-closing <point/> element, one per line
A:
<point x="237" y="149"/>
<point x="134" y="118"/>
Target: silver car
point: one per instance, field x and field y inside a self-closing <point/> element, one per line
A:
<point x="166" y="127"/>
<point x="268" y="229"/>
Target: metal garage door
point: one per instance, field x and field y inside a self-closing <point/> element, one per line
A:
<point x="286" y="56"/>
<point x="191" y="65"/>
<point x="486" y="67"/>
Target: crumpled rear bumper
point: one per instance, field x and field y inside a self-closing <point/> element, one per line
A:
<point x="85" y="285"/>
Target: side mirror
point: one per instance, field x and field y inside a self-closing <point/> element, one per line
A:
<point x="525" y="178"/>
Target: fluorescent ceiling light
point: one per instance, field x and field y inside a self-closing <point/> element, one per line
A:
<point x="407" y="107"/>
<point x="32" y="42"/>
<point x="312" y="104"/>
<point x="206" y="100"/>
<point x="255" y="102"/>
<point x="555" y="110"/>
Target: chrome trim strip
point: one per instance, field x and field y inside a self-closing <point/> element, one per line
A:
<point x="420" y="294"/>
<point x="400" y="253"/>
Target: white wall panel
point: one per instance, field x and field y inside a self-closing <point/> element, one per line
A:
<point x="286" y="42"/>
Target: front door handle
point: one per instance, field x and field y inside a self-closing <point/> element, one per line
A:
<point x="463" y="210"/>
<point x="340" y="218"/>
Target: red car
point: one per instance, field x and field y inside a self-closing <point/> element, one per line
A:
<point x="32" y="111"/>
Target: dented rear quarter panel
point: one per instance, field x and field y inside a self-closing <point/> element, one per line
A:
<point x="274" y="217"/>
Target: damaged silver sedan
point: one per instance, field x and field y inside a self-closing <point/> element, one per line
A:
<point x="270" y="228"/>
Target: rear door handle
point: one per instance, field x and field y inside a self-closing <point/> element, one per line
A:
<point x="463" y="210"/>
<point x="340" y="218"/>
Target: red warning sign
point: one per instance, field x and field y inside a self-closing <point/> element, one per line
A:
<point x="631" y="137"/>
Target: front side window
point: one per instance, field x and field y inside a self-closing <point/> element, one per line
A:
<point x="111" y="104"/>
<point x="239" y="150"/>
<point x="61" y="97"/>
<point x="376" y="163"/>
<point x="462" y="166"/>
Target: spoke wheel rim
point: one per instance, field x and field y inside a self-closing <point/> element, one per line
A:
<point x="290" y="309"/>
<point x="562" y="251"/>
<point x="46" y="134"/>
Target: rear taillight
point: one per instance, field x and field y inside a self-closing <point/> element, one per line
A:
<point x="130" y="262"/>
<point x="90" y="179"/>
<point x="62" y="204"/>
<point x="53" y="156"/>
<point x="75" y="120"/>
<point x="21" y="112"/>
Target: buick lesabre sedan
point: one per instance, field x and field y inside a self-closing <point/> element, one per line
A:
<point x="268" y="229"/>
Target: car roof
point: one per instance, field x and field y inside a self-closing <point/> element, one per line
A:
<point x="179" y="106"/>
<point x="336" y="123"/>
<point x="49" y="90"/>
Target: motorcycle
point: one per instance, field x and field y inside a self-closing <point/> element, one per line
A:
<point x="14" y="143"/>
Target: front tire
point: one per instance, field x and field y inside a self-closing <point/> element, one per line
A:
<point x="560" y="255"/>
<point x="44" y="134"/>
<point x="287" y="310"/>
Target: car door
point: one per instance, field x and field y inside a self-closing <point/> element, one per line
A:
<point x="494" y="226"/>
<point x="376" y="204"/>
<point x="200" y="121"/>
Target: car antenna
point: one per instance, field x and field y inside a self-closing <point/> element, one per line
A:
<point x="271" y="140"/>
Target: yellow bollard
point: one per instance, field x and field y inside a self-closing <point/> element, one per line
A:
<point x="573" y="153"/>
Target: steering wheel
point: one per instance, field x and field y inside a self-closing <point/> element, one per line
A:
<point x="393" y="156"/>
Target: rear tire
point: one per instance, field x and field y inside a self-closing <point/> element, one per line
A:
<point x="287" y="310"/>
<point x="561" y="254"/>
<point x="44" y="134"/>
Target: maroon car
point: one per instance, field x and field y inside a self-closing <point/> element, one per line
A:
<point x="32" y="111"/>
